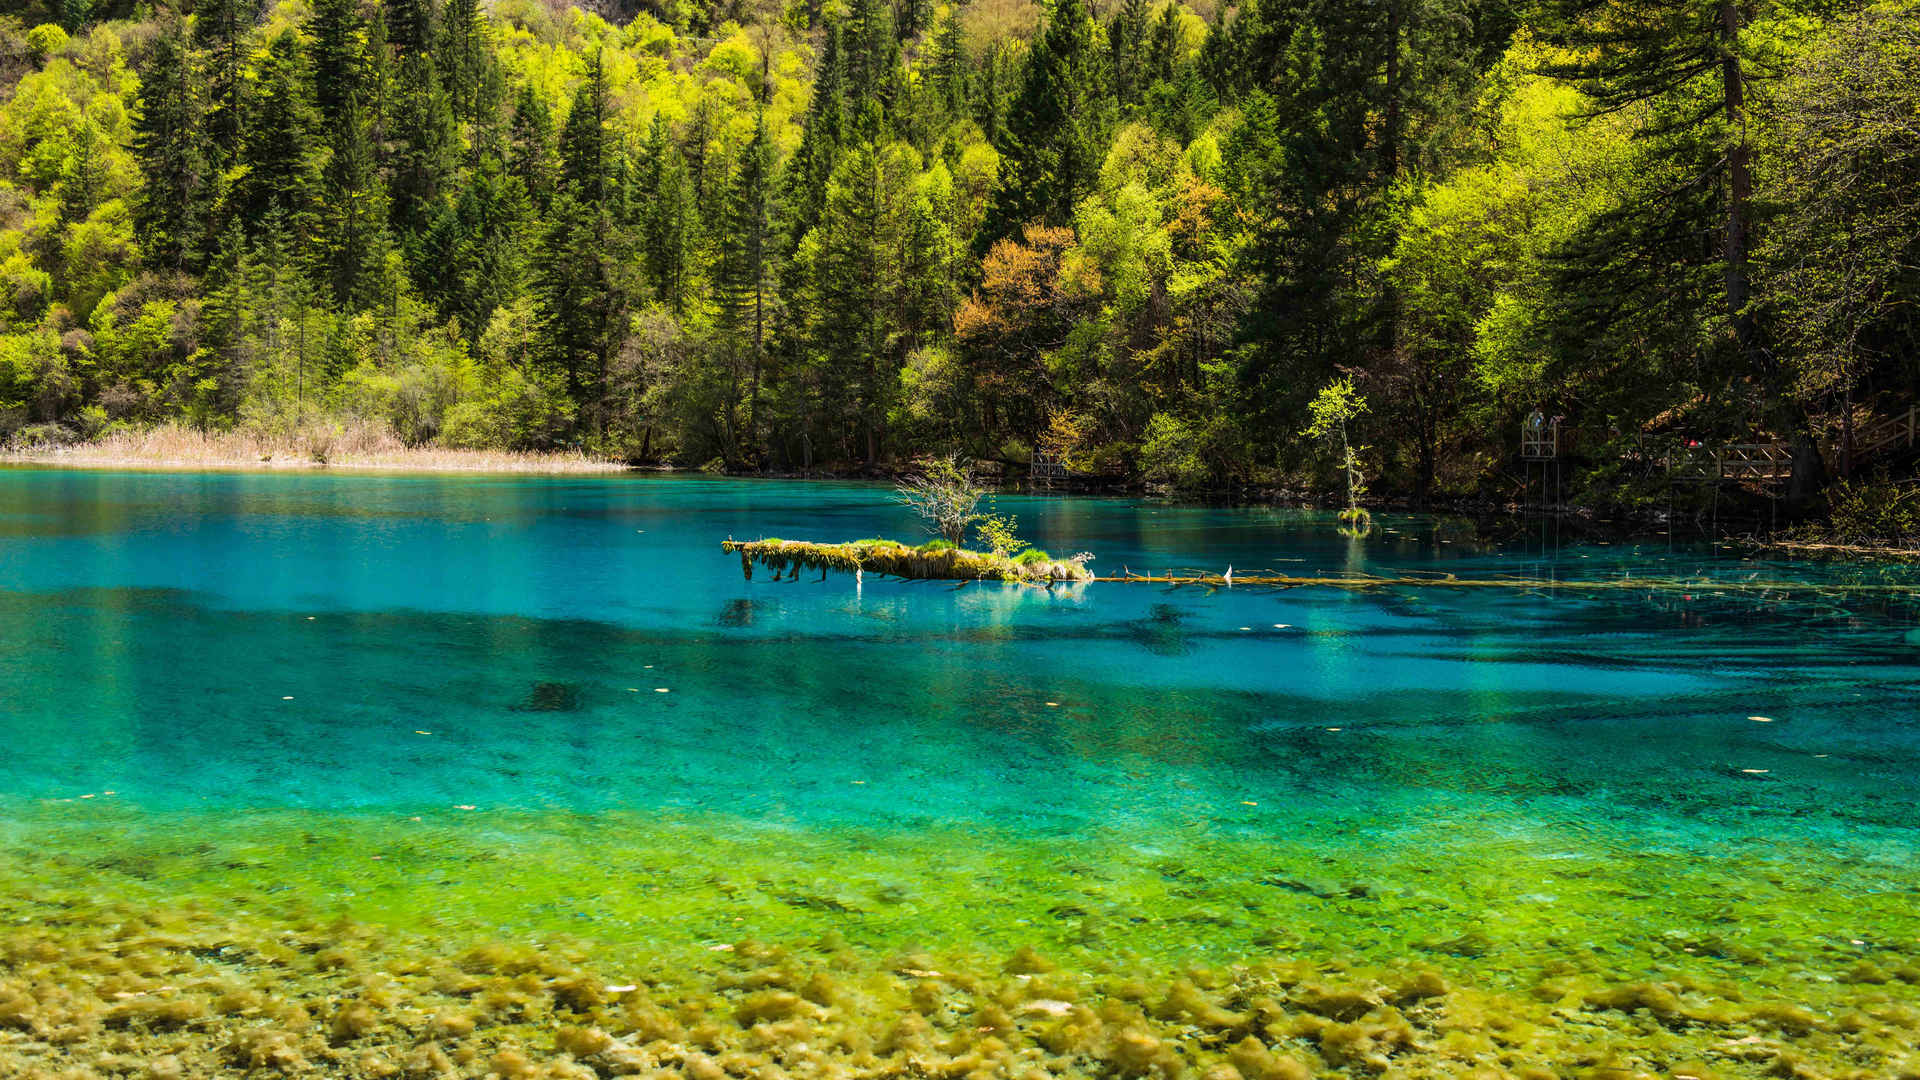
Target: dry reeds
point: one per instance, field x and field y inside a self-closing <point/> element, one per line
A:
<point x="177" y="446"/>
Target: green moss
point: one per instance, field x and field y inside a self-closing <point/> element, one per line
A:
<point x="521" y="938"/>
<point x="894" y="559"/>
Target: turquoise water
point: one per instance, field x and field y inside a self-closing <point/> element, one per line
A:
<point x="268" y="640"/>
<point x="204" y="664"/>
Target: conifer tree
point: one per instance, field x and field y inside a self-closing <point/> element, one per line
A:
<point x="338" y="34"/>
<point x="279" y="152"/>
<point x="822" y="136"/>
<point x="173" y="204"/>
<point x="220" y="30"/>
<point x="356" y="237"/>
<point x="530" y="146"/>
<point x="743" y="281"/>
<point x="422" y="163"/>
<point x="1055" y="134"/>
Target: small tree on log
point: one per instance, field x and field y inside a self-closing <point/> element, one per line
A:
<point x="945" y="496"/>
<point x="1333" y="408"/>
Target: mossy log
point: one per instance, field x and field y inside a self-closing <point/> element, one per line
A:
<point x="893" y="559"/>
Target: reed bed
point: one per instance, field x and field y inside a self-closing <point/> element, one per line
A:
<point x="177" y="446"/>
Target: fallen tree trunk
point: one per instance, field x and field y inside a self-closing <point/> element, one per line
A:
<point x="891" y="559"/>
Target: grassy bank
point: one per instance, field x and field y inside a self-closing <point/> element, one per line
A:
<point x="177" y="446"/>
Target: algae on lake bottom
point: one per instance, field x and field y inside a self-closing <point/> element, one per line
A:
<point x="473" y="943"/>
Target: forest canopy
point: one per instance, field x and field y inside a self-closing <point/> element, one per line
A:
<point x="1141" y="235"/>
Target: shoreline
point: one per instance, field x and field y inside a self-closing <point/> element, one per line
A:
<point x="180" y="450"/>
<point x="404" y="461"/>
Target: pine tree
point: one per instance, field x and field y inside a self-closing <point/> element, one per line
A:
<point x="355" y="239"/>
<point x="339" y="42"/>
<point x="278" y="153"/>
<point x="530" y="147"/>
<point x="950" y="64"/>
<point x="743" y="279"/>
<point x="172" y="205"/>
<point x="83" y="180"/>
<point x="669" y="219"/>
<point x="870" y="51"/>
<point x="584" y="144"/>
<point x="476" y="248"/>
<point x="422" y="163"/>
<point x="858" y="256"/>
<point x="1056" y="132"/>
<point x="1687" y="59"/>
<point x="466" y="57"/>
<point x="410" y="26"/>
<point x="220" y="29"/>
<point x="824" y="133"/>
<point x="1127" y="43"/>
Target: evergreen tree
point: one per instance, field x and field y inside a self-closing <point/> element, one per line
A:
<point x="355" y="239"/>
<point x="1055" y="136"/>
<point x="338" y="50"/>
<point x="220" y="29"/>
<point x="530" y="146"/>
<point x="278" y="155"/>
<point x="857" y="261"/>
<point x="825" y="131"/>
<point x="870" y="52"/>
<point x="172" y="206"/>
<point x="1127" y="44"/>
<point x="584" y="155"/>
<point x="83" y="180"/>
<point x="466" y="57"/>
<point x="410" y="26"/>
<point x="743" y="280"/>
<point x="422" y="163"/>
<point x="1689" y="61"/>
<point x="669" y="219"/>
<point x="949" y="63"/>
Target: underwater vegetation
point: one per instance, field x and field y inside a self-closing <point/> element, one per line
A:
<point x="933" y="561"/>
<point x="534" y="952"/>
<point x="192" y="993"/>
<point x="551" y="697"/>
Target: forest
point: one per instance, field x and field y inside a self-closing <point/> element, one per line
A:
<point x="1140" y="236"/>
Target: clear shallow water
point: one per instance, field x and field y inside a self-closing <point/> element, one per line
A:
<point x="439" y="699"/>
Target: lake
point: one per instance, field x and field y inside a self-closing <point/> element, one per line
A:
<point x="525" y="728"/>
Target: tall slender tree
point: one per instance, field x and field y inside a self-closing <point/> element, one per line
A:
<point x="172" y="207"/>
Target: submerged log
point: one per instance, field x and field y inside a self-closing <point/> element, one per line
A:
<point x="937" y="562"/>
<point x="932" y="562"/>
<point x="1272" y="579"/>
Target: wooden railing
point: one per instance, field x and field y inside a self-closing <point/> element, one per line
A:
<point x="1540" y="442"/>
<point x="1892" y="433"/>
<point x="1739" y="461"/>
<point x="1047" y="469"/>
